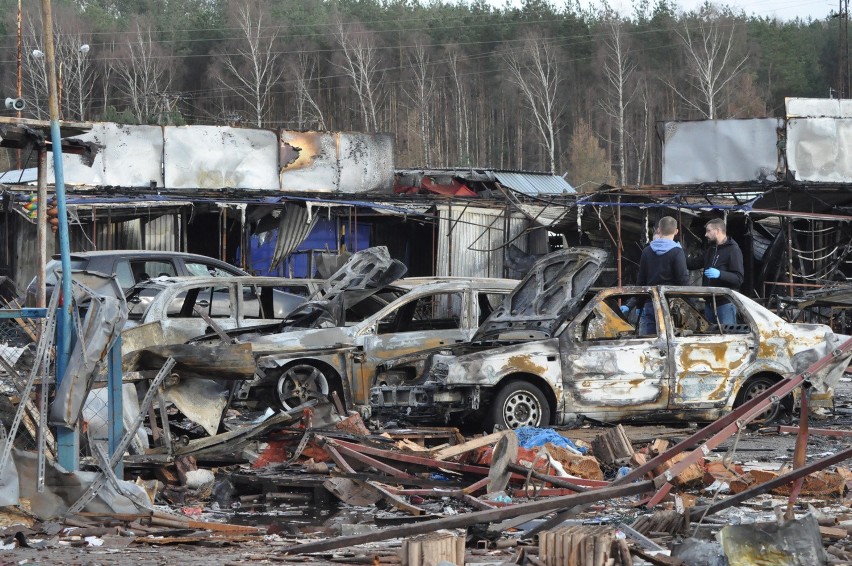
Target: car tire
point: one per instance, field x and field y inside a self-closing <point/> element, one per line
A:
<point x="300" y="383"/>
<point x="517" y="404"/>
<point x="756" y="386"/>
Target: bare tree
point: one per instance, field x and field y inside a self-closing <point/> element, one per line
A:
<point x="253" y="71"/>
<point x="361" y="65"/>
<point x="618" y="70"/>
<point x="711" y="64"/>
<point x="143" y="77"/>
<point x="421" y="95"/>
<point x="304" y="69"/>
<point x="535" y="70"/>
<point x="35" y="74"/>
<point x="462" y="110"/>
<point x="78" y="77"/>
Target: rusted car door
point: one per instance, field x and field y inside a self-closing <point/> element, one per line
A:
<point x="609" y="369"/>
<point x="707" y="360"/>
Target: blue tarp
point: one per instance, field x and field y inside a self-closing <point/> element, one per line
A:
<point x="531" y="437"/>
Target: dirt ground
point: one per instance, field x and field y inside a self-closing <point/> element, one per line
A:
<point x="761" y="448"/>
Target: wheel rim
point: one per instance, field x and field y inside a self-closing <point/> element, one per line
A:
<point x="756" y="389"/>
<point x="521" y="409"/>
<point x="301" y="383"/>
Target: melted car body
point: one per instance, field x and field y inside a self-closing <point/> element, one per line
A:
<point x="597" y="365"/>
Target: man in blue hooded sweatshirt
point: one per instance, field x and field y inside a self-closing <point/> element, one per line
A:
<point x="662" y="263"/>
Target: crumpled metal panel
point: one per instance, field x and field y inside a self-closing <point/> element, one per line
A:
<point x="202" y="401"/>
<point x="711" y="151"/>
<point x="365" y="273"/>
<point x="128" y="156"/>
<point x="218" y="157"/>
<point x="547" y="295"/>
<point x="345" y="162"/>
<point x="105" y="317"/>
<point x="818" y="149"/>
<point x="534" y="183"/>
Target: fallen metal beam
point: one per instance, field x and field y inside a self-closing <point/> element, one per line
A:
<point x="815" y="431"/>
<point x="477" y="517"/>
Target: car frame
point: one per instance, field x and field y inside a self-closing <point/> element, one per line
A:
<point x="598" y="366"/>
<point x="134" y="266"/>
<point x="162" y="310"/>
<point x="300" y="363"/>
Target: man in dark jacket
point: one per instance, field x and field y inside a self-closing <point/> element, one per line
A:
<point x="723" y="267"/>
<point x="662" y="263"/>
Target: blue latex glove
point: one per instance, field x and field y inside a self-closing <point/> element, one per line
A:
<point x="625" y="309"/>
<point x="712" y="273"/>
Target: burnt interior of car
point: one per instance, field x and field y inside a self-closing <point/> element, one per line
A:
<point x="688" y="315"/>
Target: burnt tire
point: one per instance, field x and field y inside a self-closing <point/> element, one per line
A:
<point x="517" y="404"/>
<point x="300" y="383"/>
<point x="756" y="386"/>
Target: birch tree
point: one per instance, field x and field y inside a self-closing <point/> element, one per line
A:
<point x="361" y="66"/>
<point x="304" y="71"/>
<point x="254" y="70"/>
<point x="618" y="70"/>
<point x="143" y="76"/>
<point x="535" y="71"/>
<point x="34" y="72"/>
<point x="710" y="61"/>
<point x="421" y="96"/>
<point x="462" y="109"/>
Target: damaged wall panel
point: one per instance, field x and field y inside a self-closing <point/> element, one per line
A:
<point x="346" y="162"/>
<point x="471" y="240"/>
<point x="216" y="157"/>
<point x="709" y="151"/>
<point x="128" y="156"/>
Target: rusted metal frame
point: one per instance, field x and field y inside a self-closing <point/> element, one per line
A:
<point x="800" y="452"/>
<point x="620" y="243"/>
<point x="374" y="486"/>
<point x="764" y="487"/>
<point x="728" y="424"/>
<point x="476" y="517"/>
<point x="381" y="466"/>
<point x="814" y="431"/>
<point x="552" y="480"/>
<point x="411" y="459"/>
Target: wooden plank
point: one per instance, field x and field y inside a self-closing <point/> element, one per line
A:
<point x="469" y="445"/>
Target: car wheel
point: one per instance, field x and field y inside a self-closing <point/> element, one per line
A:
<point x="757" y="386"/>
<point x="300" y="383"/>
<point x="518" y="404"/>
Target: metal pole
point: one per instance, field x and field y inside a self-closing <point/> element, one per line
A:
<point x="19" y="89"/>
<point x="41" y="228"/>
<point x="68" y="441"/>
<point x="116" y="405"/>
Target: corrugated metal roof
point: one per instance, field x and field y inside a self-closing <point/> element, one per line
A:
<point x="534" y="183"/>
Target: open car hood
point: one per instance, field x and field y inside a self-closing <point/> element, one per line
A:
<point x="551" y="293"/>
<point x="365" y="273"/>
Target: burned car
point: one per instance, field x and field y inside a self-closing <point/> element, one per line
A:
<point x="172" y="310"/>
<point x="595" y="364"/>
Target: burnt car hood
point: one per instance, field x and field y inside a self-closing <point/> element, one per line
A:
<point x="551" y="293"/>
<point x="365" y="273"/>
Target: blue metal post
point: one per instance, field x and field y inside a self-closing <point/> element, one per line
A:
<point x="67" y="439"/>
<point x="116" y="404"/>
